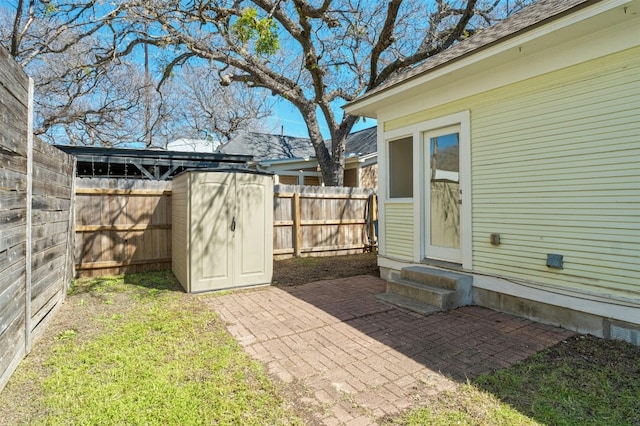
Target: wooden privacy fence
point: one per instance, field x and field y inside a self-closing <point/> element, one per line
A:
<point x="321" y="221"/>
<point x="36" y="223"/>
<point x="124" y="225"/>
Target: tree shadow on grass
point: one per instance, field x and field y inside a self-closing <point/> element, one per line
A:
<point x="150" y="283"/>
<point x="583" y="380"/>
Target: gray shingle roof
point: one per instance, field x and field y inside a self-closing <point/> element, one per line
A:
<point x="362" y="142"/>
<point x="264" y="146"/>
<point x="520" y="22"/>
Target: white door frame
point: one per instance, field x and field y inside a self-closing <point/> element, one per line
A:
<point x="453" y="255"/>
<point x="463" y="120"/>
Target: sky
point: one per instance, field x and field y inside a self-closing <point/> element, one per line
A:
<point x="288" y="120"/>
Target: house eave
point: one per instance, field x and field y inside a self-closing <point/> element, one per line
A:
<point x="285" y="161"/>
<point x="561" y="28"/>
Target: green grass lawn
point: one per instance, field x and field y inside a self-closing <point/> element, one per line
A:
<point x="582" y="381"/>
<point x="161" y="358"/>
<point x="136" y="350"/>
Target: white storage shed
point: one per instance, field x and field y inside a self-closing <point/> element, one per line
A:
<point x="222" y="229"/>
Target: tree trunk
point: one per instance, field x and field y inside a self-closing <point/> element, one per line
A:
<point x="335" y="169"/>
<point x="332" y="166"/>
<point x="332" y="169"/>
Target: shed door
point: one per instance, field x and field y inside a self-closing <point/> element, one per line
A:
<point x="443" y="239"/>
<point x="231" y="230"/>
<point x="253" y="236"/>
<point x="213" y="205"/>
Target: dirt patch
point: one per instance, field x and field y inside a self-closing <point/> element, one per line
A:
<point x="297" y="271"/>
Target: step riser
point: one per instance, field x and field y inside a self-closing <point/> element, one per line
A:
<point x="448" y="283"/>
<point x="409" y="304"/>
<point x="443" y="290"/>
<point x="423" y="295"/>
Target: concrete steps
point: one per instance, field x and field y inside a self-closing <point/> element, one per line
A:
<point x="427" y="290"/>
<point x="405" y="302"/>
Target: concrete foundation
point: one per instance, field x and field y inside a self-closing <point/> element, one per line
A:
<point x="571" y="313"/>
<point x="540" y="312"/>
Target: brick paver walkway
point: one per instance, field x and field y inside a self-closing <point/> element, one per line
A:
<point x="360" y="359"/>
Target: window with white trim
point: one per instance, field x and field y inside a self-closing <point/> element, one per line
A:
<point x="401" y="168"/>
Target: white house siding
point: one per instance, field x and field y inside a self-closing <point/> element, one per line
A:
<point x="399" y="230"/>
<point x="555" y="170"/>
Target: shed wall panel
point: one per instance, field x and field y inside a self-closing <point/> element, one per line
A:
<point x="179" y="228"/>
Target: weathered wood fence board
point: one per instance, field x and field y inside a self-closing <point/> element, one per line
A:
<point x="123" y="226"/>
<point x="51" y="231"/>
<point x="14" y="111"/>
<point x="36" y="223"/>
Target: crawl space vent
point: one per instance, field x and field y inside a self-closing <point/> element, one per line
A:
<point x="626" y="334"/>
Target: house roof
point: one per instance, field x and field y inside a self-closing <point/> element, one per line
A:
<point x="362" y="142"/>
<point x="263" y="146"/>
<point x="524" y="20"/>
<point x="193" y="145"/>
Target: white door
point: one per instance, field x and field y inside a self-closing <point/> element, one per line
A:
<point x="443" y="194"/>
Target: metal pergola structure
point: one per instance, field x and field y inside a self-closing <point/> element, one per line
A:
<point x="149" y="164"/>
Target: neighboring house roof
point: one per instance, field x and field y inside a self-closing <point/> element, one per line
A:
<point x="193" y="145"/>
<point x="263" y="146"/>
<point x="525" y="20"/>
<point x="362" y="142"/>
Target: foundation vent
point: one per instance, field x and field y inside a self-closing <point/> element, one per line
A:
<point x="624" y="332"/>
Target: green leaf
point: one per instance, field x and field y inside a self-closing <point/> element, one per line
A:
<point x="263" y="32"/>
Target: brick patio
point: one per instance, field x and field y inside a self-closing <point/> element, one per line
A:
<point x="360" y="359"/>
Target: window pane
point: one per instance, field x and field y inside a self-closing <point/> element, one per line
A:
<point x="445" y="191"/>
<point x="401" y="168"/>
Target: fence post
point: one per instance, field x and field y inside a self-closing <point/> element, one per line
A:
<point x="297" y="228"/>
<point x="70" y="264"/>
<point x="29" y="213"/>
